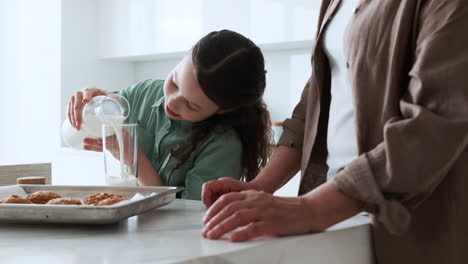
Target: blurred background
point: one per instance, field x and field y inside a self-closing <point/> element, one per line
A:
<point x="51" y="48"/>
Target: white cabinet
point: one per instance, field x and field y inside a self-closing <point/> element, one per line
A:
<point x="160" y="29"/>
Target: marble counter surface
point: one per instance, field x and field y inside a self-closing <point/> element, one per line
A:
<point x="171" y="234"/>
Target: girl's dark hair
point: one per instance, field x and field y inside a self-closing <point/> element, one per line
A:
<point x="231" y="71"/>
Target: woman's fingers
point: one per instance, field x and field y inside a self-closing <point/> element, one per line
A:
<point x="221" y="203"/>
<point x="225" y="212"/>
<point x="231" y="222"/>
<point x="253" y="230"/>
<point x="212" y="190"/>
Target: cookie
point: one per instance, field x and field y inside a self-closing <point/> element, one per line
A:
<point x="95" y="198"/>
<point x="42" y="197"/>
<point x="16" y="199"/>
<point x="64" y="201"/>
<point x="111" y="201"/>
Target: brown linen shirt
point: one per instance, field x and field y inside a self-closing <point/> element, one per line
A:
<point x="408" y="66"/>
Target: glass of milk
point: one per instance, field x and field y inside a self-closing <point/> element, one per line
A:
<point x="120" y="147"/>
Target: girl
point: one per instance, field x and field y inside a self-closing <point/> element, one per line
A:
<point x="205" y="121"/>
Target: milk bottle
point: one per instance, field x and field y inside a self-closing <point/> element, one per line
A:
<point x="109" y="109"/>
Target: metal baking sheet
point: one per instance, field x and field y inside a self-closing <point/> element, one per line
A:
<point x="86" y="214"/>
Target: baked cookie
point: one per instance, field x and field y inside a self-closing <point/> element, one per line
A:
<point x="95" y="198"/>
<point x="111" y="201"/>
<point x="16" y="199"/>
<point x="42" y="197"/>
<point x="65" y="201"/>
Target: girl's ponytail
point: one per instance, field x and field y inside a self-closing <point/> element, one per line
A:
<point x="253" y="126"/>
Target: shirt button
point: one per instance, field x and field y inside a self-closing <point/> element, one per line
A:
<point x="347" y="65"/>
<point x="356" y="10"/>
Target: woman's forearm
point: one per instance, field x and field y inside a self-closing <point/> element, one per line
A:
<point x="326" y="206"/>
<point x="282" y="166"/>
<point x="147" y="175"/>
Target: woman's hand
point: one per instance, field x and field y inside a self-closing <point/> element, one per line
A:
<point x="261" y="214"/>
<point x="264" y="214"/>
<point x="77" y="101"/>
<point x="212" y="190"/>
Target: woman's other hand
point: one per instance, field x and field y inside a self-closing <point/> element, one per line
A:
<point x="78" y="100"/>
<point x="212" y="190"/>
<point x="260" y="213"/>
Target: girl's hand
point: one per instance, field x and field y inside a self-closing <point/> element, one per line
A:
<point x="212" y="190"/>
<point x="261" y="214"/>
<point x="77" y="101"/>
<point x="93" y="144"/>
<point x="112" y="145"/>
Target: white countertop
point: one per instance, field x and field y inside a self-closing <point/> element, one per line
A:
<point x="171" y="234"/>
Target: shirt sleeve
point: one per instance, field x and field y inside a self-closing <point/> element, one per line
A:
<point x="293" y="128"/>
<point x="137" y="93"/>
<point x="422" y="144"/>
<point x="218" y="158"/>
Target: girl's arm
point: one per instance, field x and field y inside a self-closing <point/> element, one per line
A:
<point x="147" y="175"/>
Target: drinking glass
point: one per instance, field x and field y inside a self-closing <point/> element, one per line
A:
<point x="120" y="148"/>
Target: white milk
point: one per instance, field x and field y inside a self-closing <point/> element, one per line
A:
<point x="120" y="181"/>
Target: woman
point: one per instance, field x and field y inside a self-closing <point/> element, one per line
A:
<point x="406" y="159"/>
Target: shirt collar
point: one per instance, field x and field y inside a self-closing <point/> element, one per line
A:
<point x="158" y="102"/>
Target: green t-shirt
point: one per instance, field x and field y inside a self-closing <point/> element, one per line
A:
<point x="218" y="155"/>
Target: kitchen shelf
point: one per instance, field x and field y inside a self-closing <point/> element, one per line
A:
<point x="266" y="47"/>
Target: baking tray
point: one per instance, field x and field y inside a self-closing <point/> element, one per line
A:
<point x="86" y="214"/>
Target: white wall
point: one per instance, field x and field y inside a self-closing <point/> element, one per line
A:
<point x="48" y="50"/>
<point x="29" y="79"/>
<point x="130" y="28"/>
<point x="81" y="67"/>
